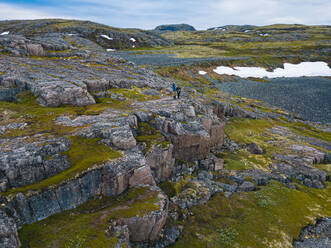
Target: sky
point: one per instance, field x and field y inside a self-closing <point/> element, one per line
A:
<point x="147" y="14"/>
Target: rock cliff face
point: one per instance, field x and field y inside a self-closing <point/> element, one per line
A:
<point x="9" y="236"/>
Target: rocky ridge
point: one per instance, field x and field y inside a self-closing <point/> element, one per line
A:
<point x="44" y="31"/>
<point x="86" y="100"/>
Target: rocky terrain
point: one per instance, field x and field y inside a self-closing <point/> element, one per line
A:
<point x="48" y="31"/>
<point x="95" y="152"/>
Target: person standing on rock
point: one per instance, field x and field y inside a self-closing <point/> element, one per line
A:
<point x="178" y="92"/>
<point x="174" y="89"/>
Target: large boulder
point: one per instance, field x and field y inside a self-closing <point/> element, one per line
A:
<point x="255" y="148"/>
<point x="57" y="93"/>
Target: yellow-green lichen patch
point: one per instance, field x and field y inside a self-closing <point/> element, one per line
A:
<point x="40" y="119"/>
<point x="324" y="167"/>
<point x="247" y="130"/>
<point x="87" y="224"/>
<point x="83" y="154"/>
<point x="135" y="94"/>
<point x="270" y="217"/>
<point x="244" y="160"/>
<point x="129" y="97"/>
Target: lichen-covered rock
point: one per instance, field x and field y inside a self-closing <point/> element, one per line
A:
<point x="255" y="148"/>
<point x="113" y="129"/>
<point x="147" y="228"/>
<point x="212" y="163"/>
<point x="317" y="236"/>
<point x="56" y="93"/>
<point x="19" y="45"/>
<point x="122" y="234"/>
<point x="197" y="192"/>
<point x="8" y="231"/>
<point x="193" y="137"/>
<point x="246" y="186"/>
<point x="22" y="164"/>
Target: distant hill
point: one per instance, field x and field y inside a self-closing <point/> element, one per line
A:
<point x="233" y="28"/>
<point x="106" y="36"/>
<point x="174" y="27"/>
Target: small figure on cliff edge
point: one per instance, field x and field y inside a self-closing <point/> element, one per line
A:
<point x="174" y="89"/>
<point x="178" y="92"/>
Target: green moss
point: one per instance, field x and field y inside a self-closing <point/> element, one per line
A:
<point x="168" y="188"/>
<point x="270" y="217"/>
<point x="40" y="119"/>
<point x="83" y="154"/>
<point x="247" y="130"/>
<point x="149" y="135"/>
<point x="227" y="236"/>
<point x="86" y="225"/>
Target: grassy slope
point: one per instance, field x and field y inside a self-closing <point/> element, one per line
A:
<point x="270" y="217"/>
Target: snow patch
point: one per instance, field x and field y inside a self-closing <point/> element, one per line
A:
<point x="5" y="33"/>
<point x="72" y="34"/>
<point x="202" y="73"/>
<point x="111" y="50"/>
<point x="133" y="39"/>
<point x="304" y="69"/>
<point x="106" y="37"/>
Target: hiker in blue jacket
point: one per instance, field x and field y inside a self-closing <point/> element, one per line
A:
<point x="174" y="90"/>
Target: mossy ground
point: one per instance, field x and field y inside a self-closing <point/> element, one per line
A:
<point x="86" y="225"/>
<point x="270" y="217"/>
<point x="150" y="136"/>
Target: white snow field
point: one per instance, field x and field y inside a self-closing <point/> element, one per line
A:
<point x="202" y="73"/>
<point x="309" y="69"/>
<point x="106" y="37"/>
<point x="5" y="33"/>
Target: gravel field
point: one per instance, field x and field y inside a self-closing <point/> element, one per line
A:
<point x="309" y="97"/>
<point x="165" y="59"/>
